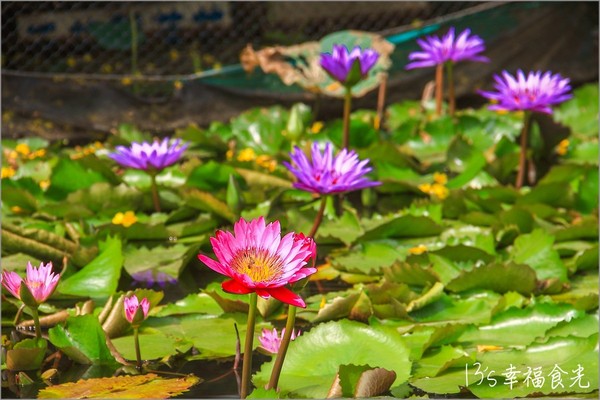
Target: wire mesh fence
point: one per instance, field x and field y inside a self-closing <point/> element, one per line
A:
<point x="171" y="38"/>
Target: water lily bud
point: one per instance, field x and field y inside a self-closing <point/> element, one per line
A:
<point x="295" y="125"/>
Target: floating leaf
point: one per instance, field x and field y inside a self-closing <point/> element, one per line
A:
<point x="100" y="277"/>
<point x="200" y="303"/>
<point x="333" y="344"/>
<point x="152" y="346"/>
<point x="357" y="381"/>
<point x="83" y="340"/>
<point x="28" y="354"/>
<point x="500" y="278"/>
<point x="515" y="327"/>
<point x="439" y="360"/>
<point x="535" y="249"/>
<point x="207" y="202"/>
<point x="121" y="387"/>
<point x="404" y="226"/>
<point x="367" y="257"/>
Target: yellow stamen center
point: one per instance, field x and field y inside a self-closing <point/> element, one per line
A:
<point x="258" y="264"/>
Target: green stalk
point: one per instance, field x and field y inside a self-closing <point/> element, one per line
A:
<point x="523" y="154"/>
<point x="247" y="367"/>
<point x="439" y="88"/>
<point x="154" y="189"/>
<point x="36" y="322"/>
<point x="346" y="126"/>
<point x="285" y="342"/>
<point x="319" y="217"/>
<point x="138" y="354"/>
<point x="451" y="94"/>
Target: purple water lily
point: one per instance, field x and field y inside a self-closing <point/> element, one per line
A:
<point x="534" y="92"/>
<point x="339" y="63"/>
<point x="149" y="156"/>
<point x="326" y="174"/>
<point x="436" y="51"/>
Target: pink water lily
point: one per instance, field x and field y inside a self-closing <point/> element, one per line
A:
<point x="270" y="340"/>
<point x="258" y="259"/>
<point x="41" y="282"/>
<point x="132" y="305"/>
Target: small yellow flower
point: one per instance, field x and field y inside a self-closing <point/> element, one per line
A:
<point x="16" y="209"/>
<point x="71" y="62"/>
<point x="440" y="178"/>
<point x="87" y="57"/>
<point x="8" y="172"/>
<point x="229" y="154"/>
<point x="126" y="219"/>
<point x="45" y="184"/>
<point x="246" y="155"/>
<point x="563" y="147"/>
<point x="23" y="149"/>
<point x="106" y="68"/>
<point x="174" y="55"/>
<point x="332" y="87"/>
<point x="126" y="81"/>
<point x="425" y="187"/>
<point x="98" y="145"/>
<point x="316" y="127"/>
<point x="12" y="155"/>
<point x="420" y="249"/>
<point x="267" y="162"/>
<point x="37" y="153"/>
<point x="439" y="191"/>
<point x="178" y="85"/>
<point x="323" y="302"/>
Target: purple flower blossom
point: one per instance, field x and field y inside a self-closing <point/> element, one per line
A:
<point x="437" y="51"/>
<point x="536" y="92"/>
<point x="146" y="156"/>
<point x="339" y="63"/>
<point x="327" y="174"/>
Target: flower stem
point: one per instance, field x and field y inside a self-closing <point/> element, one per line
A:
<point x="138" y="354"/>
<point x="381" y="101"/>
<point x="346" y="126"/>
<point x="523" y="154"/>
<point x="247" y="367"/>
<point x="451" y="94"/>
<point x="439" y="88"/>
<point x="154" y="189"/>
<point x="36" y="322"/>
<point x="285" y="342"/>
<point x="318" y="218"/>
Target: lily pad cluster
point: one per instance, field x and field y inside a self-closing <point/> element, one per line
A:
<point x="444" y="280"/>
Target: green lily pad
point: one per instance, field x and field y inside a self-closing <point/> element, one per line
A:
<point x="519" y="327"/>
<point x="333" y="344"/>
<point x="99" y="278"/>
<point x="535" y="249"/>
<point x="83" y="340"/>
